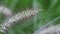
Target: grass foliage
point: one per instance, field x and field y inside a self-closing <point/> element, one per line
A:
<point x="50" y="11"/>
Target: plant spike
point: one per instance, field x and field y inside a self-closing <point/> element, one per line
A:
<point x="19" y="16"/>
<point x="6" y="11"/>
<point x="48" y="26"/>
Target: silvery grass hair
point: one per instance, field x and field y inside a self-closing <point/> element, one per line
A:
<point x="51" y="30"/>
<point x="19" y="16"/>
<point x="6" y="11"/>
<point x="47" y="29"/>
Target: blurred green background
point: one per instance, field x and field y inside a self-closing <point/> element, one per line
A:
<point x="50" y="11"/>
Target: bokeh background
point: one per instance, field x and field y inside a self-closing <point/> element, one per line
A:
<point x="50" y="11"/>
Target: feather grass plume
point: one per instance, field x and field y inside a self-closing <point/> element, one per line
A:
<point x="51" y="30"/>
<point x="55" y="29"/>
<point x="19" y="16"/>
<point x="6" y="11"/>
